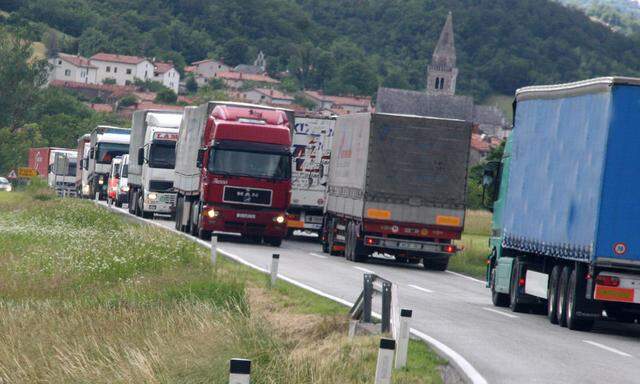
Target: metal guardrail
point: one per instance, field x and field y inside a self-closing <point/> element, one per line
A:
<point x="362" y="308"/>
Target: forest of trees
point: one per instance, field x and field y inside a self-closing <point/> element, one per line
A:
<point x="347" y="46"/>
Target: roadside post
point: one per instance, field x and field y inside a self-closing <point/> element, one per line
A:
<point x="274" y="268"/>
<point x="214" y="249"/>
<point x="384" y="365"/>
<point x="239" y="371"/>
<point x="97" y="197"/>
<point x="367" y="298"/>
<point x="386" y="307"/>
<point x="403" y="338"/>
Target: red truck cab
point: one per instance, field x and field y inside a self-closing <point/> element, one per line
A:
<point x="245" y="173"/>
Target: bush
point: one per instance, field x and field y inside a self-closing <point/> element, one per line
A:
<point x="191" y="85"/>
<point x="166" y="96"/>
<point x="128" y="101"/>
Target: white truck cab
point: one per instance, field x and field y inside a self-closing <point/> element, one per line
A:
<point x="62" y="171"/>
<point x="106" y="144"/>
<point x="152" y="156"/>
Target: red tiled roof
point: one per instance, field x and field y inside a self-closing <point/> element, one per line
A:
<point x="274" y="93"/>
<point x="362" y="101"/>
<point x="246" y="76"/>
<point x="206" y="61"/>
<point x="190" y="69"/>
<point x="151" y="105"/>
<point x="161" y="67"/>
<point x="479" y="144"/>
<point x="115" y="58"/>
<point x="185" y="99"/>
<point x="78" y="61"/>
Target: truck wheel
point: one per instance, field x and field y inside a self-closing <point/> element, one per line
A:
<point x="273" y="241"/>
<point x="435" y="263"/>
<point x="118" y="203"/>
<point x="498" y="299"/>
<point x="204" y="234"/>
<point x="354" y="249"/>
<point x="324" y="234"/>
<point x="178" y="215"/>
<point x="561" y="307"/>
<point x="552" y="294"/>
<point x="290" y="233"/>
<point x="132" y="203"/>
<point x="575" y="291"/>
<point x="194" y="222"/>
<point x="147" y="215"/>
<point x="514" y="303"/>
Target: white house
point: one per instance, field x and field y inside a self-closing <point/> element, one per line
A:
<point x="124" y="69"/>
<point x="267" y="96"/>
<point x="166" y="74"/>
<point x="208" y="69"/>
<point x="74" y="68"/>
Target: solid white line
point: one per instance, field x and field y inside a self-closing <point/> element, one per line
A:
<point x="420" y="288"/>
<point x="465" y="276"/>
<point x="607" y="348"/>
<point x="365" y="270"/>
<point x="454" y="358"/>
<point x="500" y="312"/>
<point x="318" y="256"/>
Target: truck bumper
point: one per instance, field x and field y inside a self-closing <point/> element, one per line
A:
<point x="413" y="246"/>
<point x="164" y="203"/>
<point x="304" y="221"/>
<point x="244" y="221"/>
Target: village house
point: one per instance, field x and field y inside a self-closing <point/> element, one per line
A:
<point x="267" y="96"/>
<point x="74" y="68"/>
<point x="121" y="68"/>
<point x="204" y="70"/>
<point x="236" y="80"/>
<point x="167" y="75"/>
<point x="339" y="104"/>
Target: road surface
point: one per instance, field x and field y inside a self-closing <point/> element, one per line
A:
<point x="504" y="347"/>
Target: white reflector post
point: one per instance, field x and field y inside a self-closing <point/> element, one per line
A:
<point x="239" y="371"/>
<point x="214" y="249"/>
<point x="274" y="268"/>
<point x="384" y="366"/>
<point x="97" y="196"/>
<point x="403" y="338"/>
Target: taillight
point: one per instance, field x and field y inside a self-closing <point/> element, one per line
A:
<point x="607" y="280"/>
<point x="449" y="248"/>
<point x="521" y="282"/>
<point x="371" y="241"/>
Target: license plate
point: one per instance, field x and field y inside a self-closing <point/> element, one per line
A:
<point x="245" y="215"/>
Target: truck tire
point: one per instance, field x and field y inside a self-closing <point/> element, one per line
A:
<point x="204" y="234"/>
<point x="324" y="234"/>
<point x="431" y="263"/>
<point x="178" y="215"/>
<point x="498" y="299"/>
<point x="132" y="203"/>
<point x="561" y="307"/>
<point x="514" y="302"/>
<point x="118" y="203"/>
<point x="552" y="294"/>
<point x="194" y="224"/>
<point x="575" y="295"/>
<point x="147" y="215"/>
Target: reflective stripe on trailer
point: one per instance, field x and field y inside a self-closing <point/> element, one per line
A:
<point x="623" y="295"/>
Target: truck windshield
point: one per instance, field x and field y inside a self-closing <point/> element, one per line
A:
<point x="162" y="155"/>
<point x="252" y="164"/>
<point x="107" y="151"/>
<point x="72" y="169"/>
<point x="125" y="171"/>
<point x="115" y="170"/>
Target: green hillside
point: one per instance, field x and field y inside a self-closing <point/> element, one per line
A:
<point x="620" y="15"/>
<point x="351" y="46"/>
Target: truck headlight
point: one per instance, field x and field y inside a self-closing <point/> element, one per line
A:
<point x="280" y="219"/>
<point x="100" y="181"/>
<point x="152" y="196"/>
<point x="212" y="213"/>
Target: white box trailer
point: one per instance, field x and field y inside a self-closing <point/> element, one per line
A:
<point x="310" y="169"/>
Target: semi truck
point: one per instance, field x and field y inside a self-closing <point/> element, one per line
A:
<point x="310" y="169"/>
<point x="49" y="163"/>
<point x="152" y="157"/>
<point x="122" y="197"/>
<point x="233" y="170"/>
<point x="82" y="153"/>
<point x="397" y="186"/>
<point x="565" y="213"/>
<point x="106" y="143"/>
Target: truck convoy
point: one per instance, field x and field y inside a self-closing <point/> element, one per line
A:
<point x="106" y="144"/>
<point x="310" y="169"/>
<point x="233" y="170"/>
<point x="82" y="179"/>
<point x="56" y="165"/>
<point x="397" y="185"/>
<point x="566" y="212"/>
<point x="152" y="157"/>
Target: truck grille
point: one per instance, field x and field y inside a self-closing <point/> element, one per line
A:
<point x="160" y="185"/>
<point x="249" y="196"/>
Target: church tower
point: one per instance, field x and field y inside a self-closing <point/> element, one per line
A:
<point x="442" y="72"/>
<point x="261" y="62"/>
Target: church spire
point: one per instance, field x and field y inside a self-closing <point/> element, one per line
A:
<point x="442" y="72"/>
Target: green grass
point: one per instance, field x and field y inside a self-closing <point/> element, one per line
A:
<point x="88" y="296"/>
<point x="472" y="259"/>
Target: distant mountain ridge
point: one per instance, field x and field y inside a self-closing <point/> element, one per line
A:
<point x="620" y="15"/>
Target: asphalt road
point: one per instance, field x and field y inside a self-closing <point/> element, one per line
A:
<point x="504" y="347"/>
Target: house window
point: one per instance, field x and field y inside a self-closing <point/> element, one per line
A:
<point x="83" y="74"/>
<point x="129" y="71"/>
<point x="67" y="72"/>
<point x="115" y="69"/>
<point x="146" y="75"/>
<point x="108" y="68"/>
<point x="59" y="62"/>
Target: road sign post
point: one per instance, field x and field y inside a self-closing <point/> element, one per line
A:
<point x="24" y="172"/>
<point x="402" y="338"/>
<point x="274" y="268"/>
<point x="384" y="366"/>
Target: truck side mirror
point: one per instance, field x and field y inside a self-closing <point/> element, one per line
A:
<point x="140" y="156"/>
<point x="92" y="153"/>
<point x="200" y="157"/>
<point x="491" y="175"/>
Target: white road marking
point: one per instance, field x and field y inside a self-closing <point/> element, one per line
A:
<point x="318" y="256"/>
<point x="454" y="357"/>
<point x="500" y="312"/>
<point x="420" y="288"/>
<point x="607" y="348"/>
<point x="365" y="270"/>
<point x="465" y="276"/>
